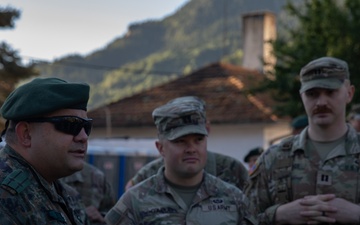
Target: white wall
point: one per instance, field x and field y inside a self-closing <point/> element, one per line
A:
<point x="234" y="140"/>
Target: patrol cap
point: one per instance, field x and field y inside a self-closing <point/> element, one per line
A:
<point x="44" y="95"/>
<point x="325" y="72"/>
<point x="191" y="100"/>
<point x="253" y="152"/>
<point x="179" y="117"/>
<point x="299" y="122"/>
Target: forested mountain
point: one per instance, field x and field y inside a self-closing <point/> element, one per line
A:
<point x="152" y="52"/>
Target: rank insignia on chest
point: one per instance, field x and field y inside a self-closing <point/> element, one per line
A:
<point x="324" y="178"/>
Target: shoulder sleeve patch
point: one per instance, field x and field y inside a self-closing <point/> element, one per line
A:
<point x="255" y="169"/>
<point x="16" y="181"/>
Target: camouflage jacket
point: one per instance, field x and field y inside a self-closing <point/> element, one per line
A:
<point x="222" y="166"/>
<point x="154" y="202"/>
<point x="27" y="198"/>
<point x="285" y="172"/>
<point x="91" y="183"/>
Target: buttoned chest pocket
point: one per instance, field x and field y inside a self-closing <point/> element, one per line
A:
<point x="341" y="177"/>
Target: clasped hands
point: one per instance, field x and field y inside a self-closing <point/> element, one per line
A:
<point x="316" y="209"/>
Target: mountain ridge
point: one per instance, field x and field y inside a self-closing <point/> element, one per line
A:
<point x="153" y="52"/>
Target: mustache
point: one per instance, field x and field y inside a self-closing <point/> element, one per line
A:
<point x="322" y="109"/>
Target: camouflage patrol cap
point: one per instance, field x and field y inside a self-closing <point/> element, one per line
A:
<point x="325" y="72"/>
<point x="42" y="96"/>
<point x="181" y="116"/>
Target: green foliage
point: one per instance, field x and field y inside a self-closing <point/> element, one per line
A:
<point x="11" y="68"/>
<point x="324" y="28"/>
<point x="152" y="52"/>
<point x="8" y="16"/>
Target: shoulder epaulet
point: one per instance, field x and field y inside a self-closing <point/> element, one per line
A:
<point x="287" y="143"/>
<point x="16" y="181"/>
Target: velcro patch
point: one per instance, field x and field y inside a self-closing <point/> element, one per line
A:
<point x="16" y="181"/>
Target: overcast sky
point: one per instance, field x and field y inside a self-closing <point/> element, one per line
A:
<point x="52" y="29"/>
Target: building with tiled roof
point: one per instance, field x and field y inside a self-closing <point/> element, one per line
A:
<point x="239" y="120"/>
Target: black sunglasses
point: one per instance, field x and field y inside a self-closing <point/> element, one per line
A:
<point x="66" y="124"/>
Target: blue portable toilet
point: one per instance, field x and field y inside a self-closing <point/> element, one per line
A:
<point x="120" y="159"/>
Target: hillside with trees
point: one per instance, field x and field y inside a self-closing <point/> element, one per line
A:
<point x="153" y="52"/>
<point x="323" y="28"/>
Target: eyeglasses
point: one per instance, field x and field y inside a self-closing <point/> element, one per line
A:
<point x="66" y="124"/>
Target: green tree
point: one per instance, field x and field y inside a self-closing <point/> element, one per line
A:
<point x="11" y="68"/>
<point x="321" y="28"/>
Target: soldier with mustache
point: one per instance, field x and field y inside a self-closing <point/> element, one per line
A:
<point x="313" y="177"/>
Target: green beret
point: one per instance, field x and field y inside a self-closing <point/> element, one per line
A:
<point x="42" y="96"/>
<point x="300" y="122"/>
<point x="253" y="152"/>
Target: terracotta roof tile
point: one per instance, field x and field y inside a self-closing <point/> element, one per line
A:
<point x="220" y="85"/>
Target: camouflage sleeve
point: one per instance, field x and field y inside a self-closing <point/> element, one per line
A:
<point x="148" y="170"/>
<point x="260" y="189"/>
<point x="249" y="217"/>
<point x="108" y="200"/>
<point x="7" y="219"/>
<point x="242" y="174"/>
<point x="231" y="171"/>
<point x="121" y="214"/>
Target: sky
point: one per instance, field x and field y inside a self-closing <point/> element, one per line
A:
<point x="48" y="30"/>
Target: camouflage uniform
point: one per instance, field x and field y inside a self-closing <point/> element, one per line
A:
<point x="154" y="202"/>
<point x="285" y="173"/>
<point x="95" y="191"/>
<point x="26" y="198"/>
<point x="221" y="166"/>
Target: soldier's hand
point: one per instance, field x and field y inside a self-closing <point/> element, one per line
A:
<point x="296" y="212"/>
<point x="347" y="212"/>
<point x="317" y="208"/>
<point x="94" y="215"/>
<point x="129" y="184"/>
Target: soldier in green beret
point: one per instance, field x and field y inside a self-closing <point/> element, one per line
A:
<point x="181" y="192"/>
<point x="298" y="124"/>
<point x="313" y="177"/>
<point x="223" y="166"/>
<point x="252" y="156"/>
<point x="46" y="136"/>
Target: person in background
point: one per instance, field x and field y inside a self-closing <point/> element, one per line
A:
<point x="96" y="192"/>
<point x="46" y="134"/>
<point x="313" y="177"/>
<point x="298" y="124"/>
<point x="252" y="156"/>
<point x="354" y="117"/>
<point x="225" y="167"/>
<point x="182" y="192"/>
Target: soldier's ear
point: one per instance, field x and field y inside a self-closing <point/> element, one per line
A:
<point x="23" y="133"/>
<point x="160" y="147"/>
